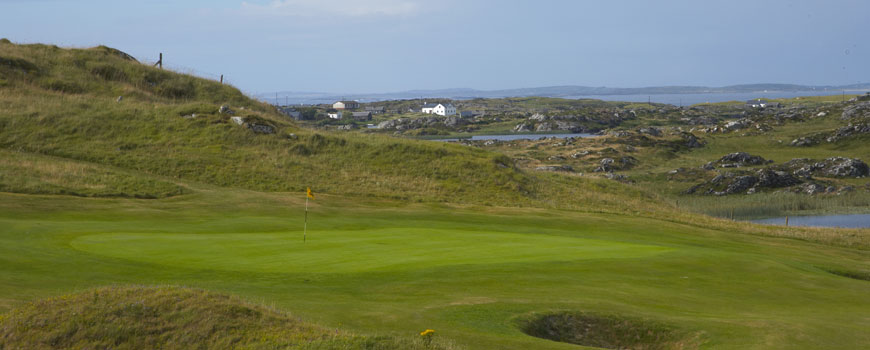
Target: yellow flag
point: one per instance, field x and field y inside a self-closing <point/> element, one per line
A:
<point x="310" y="194"/>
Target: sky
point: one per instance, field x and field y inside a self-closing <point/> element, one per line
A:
<point x="367" y="46"/>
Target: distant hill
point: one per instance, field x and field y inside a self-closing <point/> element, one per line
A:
<point x="549" y="91"/>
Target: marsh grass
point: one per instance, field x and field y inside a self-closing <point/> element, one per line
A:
<point x="765" y="205"/>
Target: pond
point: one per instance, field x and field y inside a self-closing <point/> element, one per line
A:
<point x="843" y="221"/>
<point x="512" y="137"/>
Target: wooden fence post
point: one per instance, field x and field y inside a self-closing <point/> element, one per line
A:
<point x="159" y="62"/>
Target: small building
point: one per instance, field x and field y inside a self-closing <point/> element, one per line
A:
<point x="334" y="114"/>
<point x="362" y="116"/>
<point x="291" y="112"/>
<point x="341" y="105"/>
<point x="376" y="110"/>
<point x="759" y="103"/>
<point x="470" y="114"/>
<point x="439" y="109"/>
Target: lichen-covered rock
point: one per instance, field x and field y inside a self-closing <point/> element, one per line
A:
<point x="605" y="165"/>
<point x="226" y="110"/>
<point x="737" y="124"/>
<point x="538" y="117"/>
<point x="522" y="128"/>
<point x="740" y="159"/>
<point x="846" y="167"/>
<point x="770" y="178"/>
<point x="803" y="142"/>
<point x="848" y="131"/>
<point x="580" y="154"/>
<point x="858" y="110"/>
<point x="741" y="184"/>
<point x="831" y="167"/>
<point x="691" y="140"/>
<point x="544" y="127"/>
<point x="652" y="131"/>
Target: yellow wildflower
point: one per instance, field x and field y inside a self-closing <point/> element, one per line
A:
<point x="427" y="332"/>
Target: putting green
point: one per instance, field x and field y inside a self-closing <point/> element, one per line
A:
<point x="352" y="251"/>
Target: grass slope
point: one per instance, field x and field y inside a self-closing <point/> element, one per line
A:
<point x="32" y="173"/>
<point x="170" y="318"/>
<point x="63" y="103"/>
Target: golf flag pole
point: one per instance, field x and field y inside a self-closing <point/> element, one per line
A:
<point x="308" y="194"/>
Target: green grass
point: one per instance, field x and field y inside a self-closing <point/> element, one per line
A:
<point x="172" y="318"/>
<point x="30" y="173"/>
<point x="392" y="268"/>
<point x="336" y="251"/>
<point x="404" y="236"/>
<point x="146" y="132"/>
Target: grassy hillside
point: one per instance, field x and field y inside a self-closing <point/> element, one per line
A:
<point x="161" y="188"/>
<point x="32" y="173"/>
<point x="64" y="103"/>
<point x="172" y="318"/>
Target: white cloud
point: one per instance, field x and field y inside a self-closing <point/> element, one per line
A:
<point x="334" y="8"/>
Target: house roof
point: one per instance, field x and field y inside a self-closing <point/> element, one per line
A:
<point x="433" y="105"/>
<point x="348" y="102"/>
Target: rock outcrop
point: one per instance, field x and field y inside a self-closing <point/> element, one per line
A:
<point x="796" y="175"/>
<point x="848" y="131"/>
<point x="859" y="110"/>
<point x="739" y="159"/>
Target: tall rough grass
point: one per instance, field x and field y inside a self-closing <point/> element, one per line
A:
<point x="174" y="318"/>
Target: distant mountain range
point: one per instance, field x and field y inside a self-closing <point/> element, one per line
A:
<point x="568" y="91"/>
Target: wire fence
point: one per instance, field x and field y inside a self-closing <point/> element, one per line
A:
<point x="151" y="61"/>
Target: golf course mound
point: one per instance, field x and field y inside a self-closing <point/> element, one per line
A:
<point x="858" y="275"/>
<point x="171" y="318"/>
<point x="606" y="331"/>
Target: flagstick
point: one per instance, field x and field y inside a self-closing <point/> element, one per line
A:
<point x="305" y="227"/>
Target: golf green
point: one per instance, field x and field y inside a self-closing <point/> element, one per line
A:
<point x="338" y="251"/>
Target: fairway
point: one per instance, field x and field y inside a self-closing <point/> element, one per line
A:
<point x="467" y="273"/>
<point x="352" y="251"/>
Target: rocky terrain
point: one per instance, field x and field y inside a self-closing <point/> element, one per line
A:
<point x="797" y="175"/>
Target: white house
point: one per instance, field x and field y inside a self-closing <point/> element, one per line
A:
<point x="439" y="109"/>
<point x="345" y="105"/>
<point x="759" y="103"/>
<point x="333" y="114"/>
